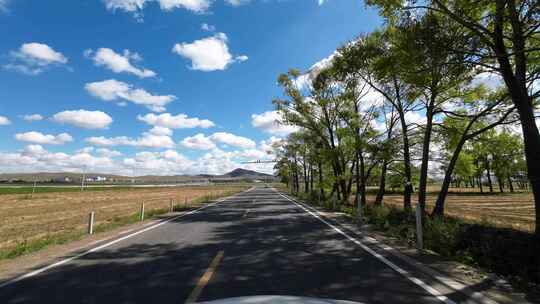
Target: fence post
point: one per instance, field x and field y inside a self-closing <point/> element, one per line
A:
<point x="419" y="232"/>
<point x="142" y="211"/>
<point x="185" y="202"/>
<point x="171" y="206"/>
<point x="91" y="222"/>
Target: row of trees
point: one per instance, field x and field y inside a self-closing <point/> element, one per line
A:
<point x="355" y="118"/>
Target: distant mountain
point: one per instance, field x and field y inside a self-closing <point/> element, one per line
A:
<point x="243" y="173"/>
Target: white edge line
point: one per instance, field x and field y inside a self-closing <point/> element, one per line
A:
<point x="395" y="267"/>
<point x="64" y="261"/>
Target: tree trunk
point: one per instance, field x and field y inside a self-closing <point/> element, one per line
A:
<point x="438" y="211"/>
<point x="488" y="172"/>
<point x="510" y="185"/>
<point x="362" y="181"/>
<point x="425" y="156"/>
<point x="501" y="184"/>
<point x="407" y="163"/>
<point x="321" y="184"/>
<point x="311" y="171"/>
<point x="306" y="177"/>
<point x="357" y="180"/>
<point x="480" y="183"/>
<point x="382" y="184"/>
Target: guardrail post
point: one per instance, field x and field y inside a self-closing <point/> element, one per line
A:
<point x="142" y="211"/>
<point x="91" y="222"/>
<point x="419" y="232"/>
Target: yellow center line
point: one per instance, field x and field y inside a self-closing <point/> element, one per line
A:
<point x="203" y="281"/>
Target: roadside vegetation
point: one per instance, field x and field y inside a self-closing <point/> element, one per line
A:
<point x="444" y="95"/>
<point x="28" y="225"/>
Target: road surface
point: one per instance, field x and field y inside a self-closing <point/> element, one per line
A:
<point x="255" y="243"/>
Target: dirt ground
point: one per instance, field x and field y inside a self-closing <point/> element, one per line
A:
<point x="503" y="210"/>
<point x="50" y="214"/>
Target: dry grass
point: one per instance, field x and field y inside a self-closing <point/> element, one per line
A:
<point x="54" y="214"/>
<point x="502" y="210"/>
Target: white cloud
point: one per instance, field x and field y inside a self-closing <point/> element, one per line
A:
<point x="237" y="2"/>
<point x="158" y="130"/>
<point x="242" y="58"/>
<point x="207" y="54"/>
<point x="119" y="63"/>
<point x="3" y="5"/>
<point x="180" y="121"/>
<point x="108" y="153"/>
<point x="84" y="119"/>
<point x="232" y="140"/>
<point x="198" y="142"/>
<point x="4" y="121"/>
<point x="270" y="122"/>
<point x="33" y="117"/>
<point x="44" y="139"/>
<point x="114" y="90"/>
<point x="33" y="58"/>
<point x="207" y="27"/>
<point x="490" y="79"/>
<point x="269" y="145"/>
<point x="34" y="158"/>
<point x="303" y="82"/>
<point x="147" y="140"/>
<point x="413" y="117"/>
<point x="136" y="6"/>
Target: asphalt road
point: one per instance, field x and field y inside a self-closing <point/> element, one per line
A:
<point x="256" y="243"/>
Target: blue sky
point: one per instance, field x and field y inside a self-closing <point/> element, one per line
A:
<point x="155" y="86"/>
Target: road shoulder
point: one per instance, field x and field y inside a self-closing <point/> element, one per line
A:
<point x="477" y="284"/>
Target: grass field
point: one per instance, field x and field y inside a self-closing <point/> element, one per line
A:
<point x="56" y="217"/>
<point x="506" y="210"/>
<point x="50" y="189"/>
<point x="502" y="210"/>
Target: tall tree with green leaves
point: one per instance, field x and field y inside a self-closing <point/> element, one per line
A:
<point x="503" y="39"/>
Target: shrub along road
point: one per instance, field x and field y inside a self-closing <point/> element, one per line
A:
<point x="255" y="243"/>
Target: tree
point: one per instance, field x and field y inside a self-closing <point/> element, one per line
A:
<point x="482" y="113"/>
<point x="378" y="64"/>
<point x="504" y="39"/>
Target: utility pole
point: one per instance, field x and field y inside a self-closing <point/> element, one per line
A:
<point x="83" y="178"/>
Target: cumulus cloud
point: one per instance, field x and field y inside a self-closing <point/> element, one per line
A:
<point x="114" y="90"/>
<point x="34" y="58"/>
<point x="208" y="54"/>
<point x="108" y="153"/>
<point x="4" y="121"/>
<point x="84" y="119"/>
<point x="207" y="27"/>
<point x="304" y="81"/>
<point x="237" y="2"/>
<point x="271" y="122"/>
<point x="169" y="162"/>
<point x="232" y="140"/>
<point x="136" y="6"/>
<point x="147" y="140"/>
<point x="180" y="121"/>
<point x="119" y="63"/>
<point x="33" y="117"/>
<point x="44" y="139"/>
<point x="157" y="130"/>
<point x="198" y="142"/>
<point x="34" y="158"/>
